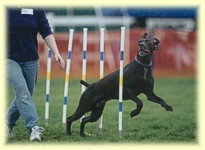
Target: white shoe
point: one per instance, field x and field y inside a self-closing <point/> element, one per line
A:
<point x="10" y="133"/>
<point x="36" y="133"/>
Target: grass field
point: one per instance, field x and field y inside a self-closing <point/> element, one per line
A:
<point x="153" y="126"/>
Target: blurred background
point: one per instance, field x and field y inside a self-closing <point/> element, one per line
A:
<point x="175" y="27"/>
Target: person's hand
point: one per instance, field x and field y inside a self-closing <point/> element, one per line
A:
<point x="59" y="59"/>
<point x="51" y="43"/>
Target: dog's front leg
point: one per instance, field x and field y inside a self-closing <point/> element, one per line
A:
<point x="154" y="98"/>
<point x="128" y="94"/>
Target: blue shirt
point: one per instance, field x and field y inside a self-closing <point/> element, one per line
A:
<point x="23" y="26"/>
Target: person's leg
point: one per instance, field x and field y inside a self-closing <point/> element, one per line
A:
<point x="12" y="114"/>
<point x="12" y="117"/>
<point x="30" y="70"/>
<point x="23" y="103"/>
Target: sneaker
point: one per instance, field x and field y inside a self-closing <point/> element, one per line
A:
<point x="36" y="133"/>
<point x="10" y="133"/>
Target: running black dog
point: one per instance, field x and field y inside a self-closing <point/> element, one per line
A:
<point x="138" y="79"/>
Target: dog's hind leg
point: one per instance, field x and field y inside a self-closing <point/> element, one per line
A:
<point x="96" y="112"/>
<point x="77" y="115"/>
<point x="68" y="125"/>
<point x="83" y="107"/>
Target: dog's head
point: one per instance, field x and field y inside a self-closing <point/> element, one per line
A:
<point x="148" y="45"/>
<point x="145" y="48"/>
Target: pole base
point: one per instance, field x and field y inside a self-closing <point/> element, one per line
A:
<point x="100" y="130"/>
<point x="64" y="125"/>
<point x="120" y="134"/>
<point x="46" y="122"/>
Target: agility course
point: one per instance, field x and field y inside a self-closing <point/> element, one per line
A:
<point x="179" y="126"/>
<point x="83" y="88"/>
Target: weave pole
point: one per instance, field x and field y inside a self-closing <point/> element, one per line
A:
<point x="67" y="76"/>
<point x="84" y="60"/>
<point x="101" y="68"/>
<point x="48" y="77"/>
<point x="122" y="45"/>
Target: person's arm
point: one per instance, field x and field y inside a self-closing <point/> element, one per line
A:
<point x="46" y="33"/>
<point x="51" y="43"/>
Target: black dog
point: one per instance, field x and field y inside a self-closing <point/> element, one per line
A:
<point x="137" y="79"/>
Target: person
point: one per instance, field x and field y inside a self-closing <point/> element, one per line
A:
<point x="24" y="24"/>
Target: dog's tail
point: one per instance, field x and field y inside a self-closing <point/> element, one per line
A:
<point x="84" y="83"/>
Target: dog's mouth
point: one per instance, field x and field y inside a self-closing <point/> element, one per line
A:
<point x="144" y="52"/>
<point x="143" y="57"/>
<point x="143" y="49"/>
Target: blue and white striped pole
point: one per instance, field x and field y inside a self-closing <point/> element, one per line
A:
<point x="122" y="45"/>
<point x="84" y="57"/>
<point x="67" y="76"/>
<point x="101" y="68"/>
<point x="84" y="60"/>
<point x="48" y="77"/>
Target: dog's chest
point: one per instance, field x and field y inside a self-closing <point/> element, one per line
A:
<point x="146" y="74"/>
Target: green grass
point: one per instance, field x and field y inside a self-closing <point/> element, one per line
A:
<point x="154" y="125"/>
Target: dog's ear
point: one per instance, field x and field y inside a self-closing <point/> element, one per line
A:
<point x="156" y="41"/>
<point x="156" y="44"/>
<point x="144" y="35"/>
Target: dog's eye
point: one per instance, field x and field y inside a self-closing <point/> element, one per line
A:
<point x="142" y="47"/>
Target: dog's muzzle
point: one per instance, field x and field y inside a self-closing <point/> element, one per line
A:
<point x="143" y="53"/>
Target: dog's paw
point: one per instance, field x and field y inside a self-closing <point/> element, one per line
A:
<point x="68" y="133"/>
<point x="85" y="134"/>
<point x="68" y="130"/>
<point x="134" y="113"/>
<point x="168" y="108"/>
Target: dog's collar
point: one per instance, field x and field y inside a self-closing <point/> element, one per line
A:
<point x="146" y="65"/>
